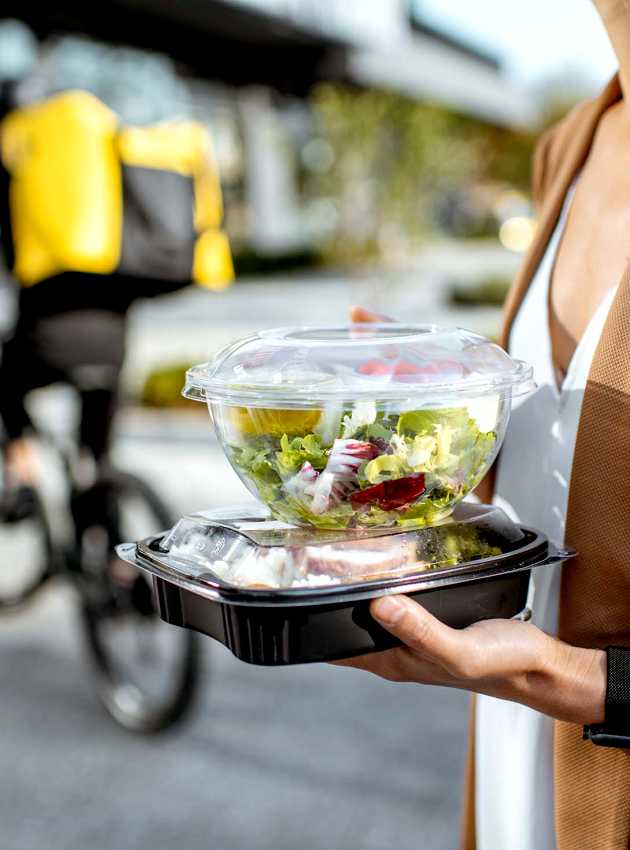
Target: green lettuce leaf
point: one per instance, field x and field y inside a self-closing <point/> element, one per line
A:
<point x="422" y="513"/>
<point x="461" y="452"/>
<point x="384" y="467"/>
<point x="381" y="429"/>
<point x="288" y="508"/>
<point x="257" y="463"/>
<point x="375" y="517"/>
<point x="479" y="456"/>
<point x="295" y="452"/>
<point x="414" y="422"/>
<point x="465" y="544"/>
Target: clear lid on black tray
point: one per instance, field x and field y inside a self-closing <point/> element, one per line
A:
<point x="242" y="547"/>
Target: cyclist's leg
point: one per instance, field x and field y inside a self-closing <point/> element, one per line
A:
<point x="94" y="505"/>
<point x="88" y="348"/>
<point x="21" y="370"/>
<point x="96" y="377"/>
<point x="15" y="374"/>
<point x="98" y="408"/>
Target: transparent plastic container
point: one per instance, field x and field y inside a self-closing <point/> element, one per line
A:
<point x="244" y="547"/>
<point x="361" y="426"/>
<point x="274" y="593"/>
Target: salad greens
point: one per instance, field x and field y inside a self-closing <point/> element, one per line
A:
<point x="451" y="544"/>
<point x="374" y="469"/>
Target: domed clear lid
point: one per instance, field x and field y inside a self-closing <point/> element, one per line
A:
<point x="306" y="367"/>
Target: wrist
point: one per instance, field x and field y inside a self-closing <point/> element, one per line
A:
<point x="580" y="681"/>
<point x="565" y="682"/>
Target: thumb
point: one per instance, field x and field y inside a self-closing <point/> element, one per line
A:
<point x="418" y="629"/>
<point x="360" y="315"/>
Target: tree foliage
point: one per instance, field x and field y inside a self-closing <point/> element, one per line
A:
<point x="394" y="158"/>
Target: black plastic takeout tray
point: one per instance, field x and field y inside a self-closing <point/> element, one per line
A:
<point x="331" y="622"/>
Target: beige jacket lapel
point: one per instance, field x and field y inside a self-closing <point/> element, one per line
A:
<point x="581" y="770"/>
<point x="558" y="159"/>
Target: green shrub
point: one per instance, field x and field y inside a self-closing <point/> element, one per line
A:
<point x="252" y="263"/>
<point x="162" y="388"/>
<point x="488" y="292"/>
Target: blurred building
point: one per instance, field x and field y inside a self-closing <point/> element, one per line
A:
<point x="390" y="46"/>
<point x="246" y="67"/>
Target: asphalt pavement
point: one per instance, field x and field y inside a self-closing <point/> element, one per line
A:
<point x="303" y="758"/>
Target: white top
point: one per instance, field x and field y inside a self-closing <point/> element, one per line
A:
<point x="513" y="752"/>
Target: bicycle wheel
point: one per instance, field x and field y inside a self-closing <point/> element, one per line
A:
<point x="27" y="549"/>
<point x="146" y="672"/>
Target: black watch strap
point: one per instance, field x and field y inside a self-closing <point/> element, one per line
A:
<point x="615" y="730"/>
<point x="618" y="687"/>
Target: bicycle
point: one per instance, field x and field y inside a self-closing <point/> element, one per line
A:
<point x="146" y="673"/>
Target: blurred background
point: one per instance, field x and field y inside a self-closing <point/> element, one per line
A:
<point x="372" y="152"/>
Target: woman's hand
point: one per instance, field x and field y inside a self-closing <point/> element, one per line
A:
<point x="359" y="315"/>
<point x="502" y="658"/>
<point x="20" y="461"/>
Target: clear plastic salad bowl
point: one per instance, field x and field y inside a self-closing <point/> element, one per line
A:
<point x="361" y="425"/>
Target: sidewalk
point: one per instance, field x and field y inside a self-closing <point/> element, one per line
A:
<point x="305" y="758"/>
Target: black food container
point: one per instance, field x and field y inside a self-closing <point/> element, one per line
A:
<point x="276" y="595"/>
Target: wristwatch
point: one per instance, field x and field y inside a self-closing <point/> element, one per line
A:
<point x="615" y="730"/>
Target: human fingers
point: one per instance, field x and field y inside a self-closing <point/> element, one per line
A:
<point x="360" y="315"/>
<point x="400" y="665"/>
<point x="426" y="635"/>
<point x="487" y="653"/>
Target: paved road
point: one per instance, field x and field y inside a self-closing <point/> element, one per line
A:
<point x="310" y="758"/>
<point x="295" y="759"/>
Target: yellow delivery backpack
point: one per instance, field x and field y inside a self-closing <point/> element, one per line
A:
<point x="88" y="195"/>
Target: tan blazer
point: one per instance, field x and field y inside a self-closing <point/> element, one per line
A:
<point x="592" y="784"/>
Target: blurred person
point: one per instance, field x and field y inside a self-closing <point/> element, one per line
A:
<point x="550" y="689"/>
<point x="63" y="326"/>
<point x="71" y="323"/>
